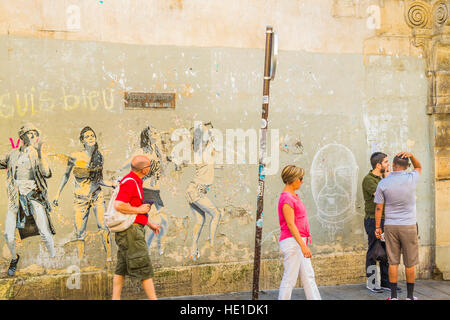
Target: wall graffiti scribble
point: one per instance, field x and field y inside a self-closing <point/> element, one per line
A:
<point x="334" y="174"/>
<point x="35" y="101"/>
<point x="14" y="146"/>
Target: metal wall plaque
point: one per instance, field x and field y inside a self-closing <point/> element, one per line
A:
<point x="145" y="100"/>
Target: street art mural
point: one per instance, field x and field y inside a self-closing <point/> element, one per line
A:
<point x="196" y="192"/>
<point x="151" y="146"/>
<point x="28" y="205"/>
<point x="334" y="175"/>
<point x="333" y="186"/>
<point x="87" y="168"/>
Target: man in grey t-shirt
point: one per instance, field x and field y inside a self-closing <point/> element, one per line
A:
<point x="397" y="194"/>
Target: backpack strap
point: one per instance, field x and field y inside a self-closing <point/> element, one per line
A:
<point x="139" y="191"/>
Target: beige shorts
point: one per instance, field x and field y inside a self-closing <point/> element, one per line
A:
<point x="402" y="240"/>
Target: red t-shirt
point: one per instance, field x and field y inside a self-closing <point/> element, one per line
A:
<point x="128" y="193"/>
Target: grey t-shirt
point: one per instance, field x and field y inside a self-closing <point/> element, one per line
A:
<point x="398" y="193"/>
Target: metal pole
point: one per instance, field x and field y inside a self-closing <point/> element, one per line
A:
<point x="261" y="166"/>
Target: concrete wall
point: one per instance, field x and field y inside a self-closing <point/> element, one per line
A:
<point x="348" y="83"/>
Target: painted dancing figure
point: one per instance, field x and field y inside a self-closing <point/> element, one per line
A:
<point x="196" y="193"/>
<point x="28" y="205"/>
<point x="152" y="189"/>
<point x="87" y="168"/>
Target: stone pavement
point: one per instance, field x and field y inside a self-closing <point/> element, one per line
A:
<point x="423" y="289"/>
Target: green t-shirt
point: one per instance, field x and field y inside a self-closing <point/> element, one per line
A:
<point x="369" y="186"/>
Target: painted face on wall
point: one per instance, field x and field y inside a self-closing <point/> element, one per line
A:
<point x="334" y="174"/>
<point x="153" y="136"/>
<point x="31" y="138"/>
<point x="89" y="138"/>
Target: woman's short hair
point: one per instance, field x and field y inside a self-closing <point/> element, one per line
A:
<point x="291" y="173"/>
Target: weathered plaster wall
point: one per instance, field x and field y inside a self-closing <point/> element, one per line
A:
<point x="342" y="26"/>
<point x="342" y="91"/>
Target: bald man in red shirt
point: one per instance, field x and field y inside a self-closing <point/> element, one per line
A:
<point x="132" y="254"/>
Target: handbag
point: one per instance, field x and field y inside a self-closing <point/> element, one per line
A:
<point x="378" y="252"/>
<point x="115" y="220"/>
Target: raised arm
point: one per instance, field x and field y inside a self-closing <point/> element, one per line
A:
<point x="416" y="164"/>
<point x="43" y="162"/>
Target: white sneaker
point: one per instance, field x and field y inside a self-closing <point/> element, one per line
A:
<point x="414" y="298"/>
<point x="375" y="289"/>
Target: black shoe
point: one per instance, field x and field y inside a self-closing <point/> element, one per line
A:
<point x="374" y="289"/>
<point x="13" y="266"/>
<point x="388" y="288"/>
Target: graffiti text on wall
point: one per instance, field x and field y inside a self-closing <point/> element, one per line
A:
<point x="34" y="101"/>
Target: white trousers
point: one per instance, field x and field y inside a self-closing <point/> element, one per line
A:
<point x="295" y="262"/>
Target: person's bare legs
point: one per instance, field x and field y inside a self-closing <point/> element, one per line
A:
<point x="393" y="278"/>
<point x="149" y="289"/>
<point x="117" y="286"/>
<point x="393" y="273"/>
<point x="410" y="274"/>
<point x="410" y="278"/>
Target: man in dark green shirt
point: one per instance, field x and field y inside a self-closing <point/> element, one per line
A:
<point x="380" y="170"/>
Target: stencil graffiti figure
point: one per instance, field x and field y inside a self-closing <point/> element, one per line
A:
<point x="87" y="168"/>
<point x="334" y="175"/>
<point x="149" y="146"/>
<point x="28" y="205"/>
<point x="197" y="189"/>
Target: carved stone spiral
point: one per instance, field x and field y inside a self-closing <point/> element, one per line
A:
<point x="441" y="13"/>
<point x="418" y="14"/>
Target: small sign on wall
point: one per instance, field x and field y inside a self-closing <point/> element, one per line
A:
<point x="146" y="100"/>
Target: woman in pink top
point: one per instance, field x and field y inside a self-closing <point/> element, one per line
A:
<point x="295" y="237"/>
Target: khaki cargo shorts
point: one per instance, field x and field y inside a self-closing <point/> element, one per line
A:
<point x="402" y="240"/>
<point x="132" y="254"/>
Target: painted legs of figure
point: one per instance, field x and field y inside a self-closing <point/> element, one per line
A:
<point x="82" y="209"/>
<point x="10" y="237"/>
<point x="202" y="206"/>
<point x="164" y="226"/>
<point x="99" y="211"/>
<point x="40" y="218"/>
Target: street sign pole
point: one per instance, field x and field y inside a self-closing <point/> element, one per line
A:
<point x="269" y="74"/>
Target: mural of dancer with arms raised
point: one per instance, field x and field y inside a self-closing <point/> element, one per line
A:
<point x="196" y="192"/>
